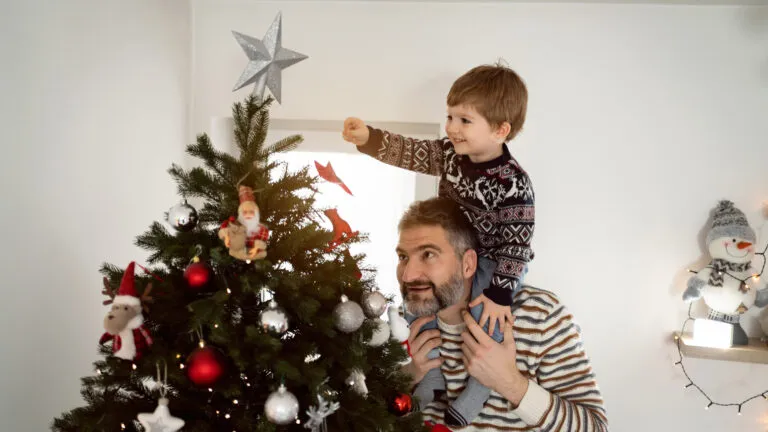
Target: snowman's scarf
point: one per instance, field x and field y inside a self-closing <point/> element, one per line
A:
<point x="721" y="266"/>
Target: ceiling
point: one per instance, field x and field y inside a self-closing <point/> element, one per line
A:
<point x="656" y="2"/>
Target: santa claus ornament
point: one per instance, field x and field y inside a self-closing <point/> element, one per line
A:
<point x="124" y="323"/>
<point x="729" y="285"/>
<point x="245" y="237"/>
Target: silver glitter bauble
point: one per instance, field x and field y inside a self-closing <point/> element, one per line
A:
<point x="274" y="318"/>
<point x="348" y="315"/>
<point x="281" y="407"/>
<point x="374" y="304"/>
<point x="182" y="217"/>
<point x="380" y="333"/>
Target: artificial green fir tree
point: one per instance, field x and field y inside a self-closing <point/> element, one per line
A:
<point x="205" y="299"/>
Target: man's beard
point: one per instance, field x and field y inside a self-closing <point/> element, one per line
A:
<point x="447" y="294"/>
<point x="251" y="225"/>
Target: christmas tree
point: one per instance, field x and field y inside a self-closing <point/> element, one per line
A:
<point x="248" y="316"/>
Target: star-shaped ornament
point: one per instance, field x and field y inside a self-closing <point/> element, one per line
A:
<point x="267" y="59"/>
<point x="161" y="420"/>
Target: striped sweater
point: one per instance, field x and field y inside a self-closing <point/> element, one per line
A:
<point x="562" y="395"/>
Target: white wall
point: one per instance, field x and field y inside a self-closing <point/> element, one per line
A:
<point x="641" y="118"/>
<point x="93" y="111"/>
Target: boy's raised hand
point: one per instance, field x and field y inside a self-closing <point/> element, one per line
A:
<point x="355" y="131"/>
<point x="492" y="312"/>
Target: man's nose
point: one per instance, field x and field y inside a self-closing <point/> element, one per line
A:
<point x="412" y="271"/>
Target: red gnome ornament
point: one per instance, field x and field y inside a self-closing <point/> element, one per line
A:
<point x="245" y="237"/>
<point x="124" y="324"/>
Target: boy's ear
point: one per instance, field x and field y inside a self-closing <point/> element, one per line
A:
<point x="503" y="130"/>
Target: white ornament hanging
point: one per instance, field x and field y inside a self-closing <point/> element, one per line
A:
<point x="356" y="381"/>
<point x="348" y="315"/>
<point x="281" y="407"/>
<point x="374" y="304"/>
<point x="317" y="415"/>
<point x="161" y="420"/>
<point x="399" y="331"/>
<point x="380" y="333"/>
<point x="273" y="318"/>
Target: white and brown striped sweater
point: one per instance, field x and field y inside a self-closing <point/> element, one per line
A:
<point x="562" y="395"/>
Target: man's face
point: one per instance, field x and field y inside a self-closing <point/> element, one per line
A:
<point x="430" y="273"/>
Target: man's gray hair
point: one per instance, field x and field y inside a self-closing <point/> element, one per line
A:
<point x="446" y="214"/>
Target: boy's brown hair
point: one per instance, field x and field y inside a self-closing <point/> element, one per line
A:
<point x="496" y="92"/>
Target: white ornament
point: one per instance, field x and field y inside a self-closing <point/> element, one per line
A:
<point x="273" y="318"/>
<point x="356" y="381"/>
<point x="161" y="420"/>
<point x="398" y="329"/>
<point x="281" y="407"/>
<point x="318" y="414"/>
<point x="267" y="59"/>
<point x="348" y="315"/>
<point x="374" y="304"/>
<point x="380" y="333"/>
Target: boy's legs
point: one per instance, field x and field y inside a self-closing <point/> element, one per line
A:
<point x="471" y="401"/>
<point x="434" y="380"/>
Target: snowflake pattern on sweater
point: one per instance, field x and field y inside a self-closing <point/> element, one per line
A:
<point x="496" y="196"/>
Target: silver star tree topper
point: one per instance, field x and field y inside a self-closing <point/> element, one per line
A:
<point x="267" y="59"/>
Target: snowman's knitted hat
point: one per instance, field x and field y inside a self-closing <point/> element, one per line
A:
<point x="728" y="221"/>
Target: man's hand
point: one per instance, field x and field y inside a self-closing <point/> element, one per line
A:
<point x="491" y="363"/>
<point x="494" y="312"/>
<point x="421" y="345"/>
<point x="355" y="131"/>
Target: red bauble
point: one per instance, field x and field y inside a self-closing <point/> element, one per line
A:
<point x="197" y="275"/>
<point x="205" y="366"/>
<point x="402" y="404"/>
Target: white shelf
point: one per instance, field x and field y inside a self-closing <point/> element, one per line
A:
<point x="755" y="352"/>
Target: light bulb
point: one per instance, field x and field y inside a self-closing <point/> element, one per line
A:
<point x="202" y="343"/>
<point x="210" y="390"/>
<point x="215" y="326"/>
<point x="122" y="426"/>
<point x="134" y="366"/>
<point x="229" y="291"/>
<point x="181" y="366"/>
<point x="234" y="401"/>
<point x="226" y="416"/>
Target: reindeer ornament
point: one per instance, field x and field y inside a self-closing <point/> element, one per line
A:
<point x="124" y="323"/>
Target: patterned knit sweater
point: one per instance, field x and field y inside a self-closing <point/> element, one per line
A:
<point x="562" y="395"/>
<point x="496" y="196"/>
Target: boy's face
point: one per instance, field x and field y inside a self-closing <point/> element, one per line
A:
<point x="472" y="135"/>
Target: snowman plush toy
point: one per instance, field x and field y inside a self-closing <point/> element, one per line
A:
<point x="727" y="284"/>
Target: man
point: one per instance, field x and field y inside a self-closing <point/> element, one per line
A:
<point x="540" y="376"/>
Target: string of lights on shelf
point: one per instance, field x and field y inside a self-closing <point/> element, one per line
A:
<point x="691" y="383"/>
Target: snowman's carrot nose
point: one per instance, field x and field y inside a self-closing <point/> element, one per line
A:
<point x="743" y="245"/>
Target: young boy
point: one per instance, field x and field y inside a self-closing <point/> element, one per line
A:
<point x="486" y="108"/>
